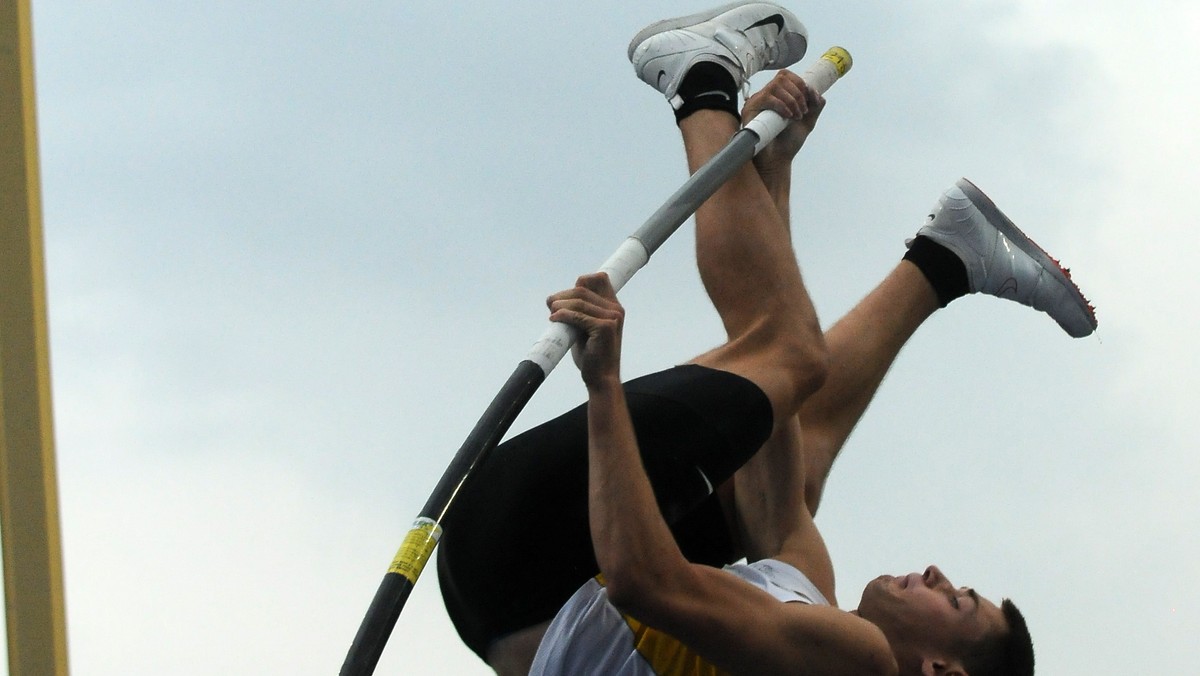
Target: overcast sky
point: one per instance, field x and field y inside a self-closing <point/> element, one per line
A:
<point x="294" y="249"/>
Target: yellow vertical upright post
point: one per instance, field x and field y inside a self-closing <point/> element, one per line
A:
<point x="29" y="521"/>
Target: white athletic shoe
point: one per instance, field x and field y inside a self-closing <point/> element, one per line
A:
<point x="744" y="37"/>
<point x="1003" y="261"/>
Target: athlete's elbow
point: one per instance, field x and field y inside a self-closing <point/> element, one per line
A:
<point x="878" y="661"/>
<point x="645" y="593"/>
<point x="883" y="664"/>
<point x="627" y="588"/>
<point x="811" y="365"/>
<point x="803" y="360"/>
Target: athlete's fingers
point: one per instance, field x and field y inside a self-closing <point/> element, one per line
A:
<point x="591" y="306"/>
<point x="784" y="95"/>
<point x="813" y="99"/>
<point x="598" y="348"/>
<point x="594" y="288"/>
<point x="586" y="307"/>
<point x="792" y="88"/>
<point x="789" y="105"/>
<point x="786" y="106"/>
<point x="599" y="283"/>
<point x="792" y="84"/>
<point x="574" y="292"/>
<point x="581" y="299"/>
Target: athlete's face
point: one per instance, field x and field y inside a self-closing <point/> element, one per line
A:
<point x="922" y="612"/>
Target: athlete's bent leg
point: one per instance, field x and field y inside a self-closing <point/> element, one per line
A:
<point x="744" y="253"/>
<point x="862" y="347"/>
<point x="966" y="246"/>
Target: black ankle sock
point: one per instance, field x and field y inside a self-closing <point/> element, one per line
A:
<point x="707" y="86"/>
<point x="944" y="270"/>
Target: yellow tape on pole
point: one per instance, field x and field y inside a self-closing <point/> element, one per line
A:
<point x="29" y="520"/>
<point x="416" y="549"/>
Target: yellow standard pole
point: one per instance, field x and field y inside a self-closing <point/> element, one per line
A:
<point x="29" y="521"/>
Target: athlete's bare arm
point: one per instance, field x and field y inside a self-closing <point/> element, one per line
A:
<point x="731" y="623"/>
<point x="771" y="516"/>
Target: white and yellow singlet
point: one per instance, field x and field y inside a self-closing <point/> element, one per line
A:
<point x="590" y="636"/>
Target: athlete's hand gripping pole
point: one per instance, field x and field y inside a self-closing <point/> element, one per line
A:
<point x="545" y="354"/>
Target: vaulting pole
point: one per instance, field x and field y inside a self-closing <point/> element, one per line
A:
<point x="544" y="356"/>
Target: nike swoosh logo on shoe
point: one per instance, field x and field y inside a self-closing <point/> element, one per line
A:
<point x="774" y="19"/>
<point x="1009" y="286"/>
<point x="661" y="73"/>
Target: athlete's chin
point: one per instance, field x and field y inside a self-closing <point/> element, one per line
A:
<point x="875" y="590"/>
<point x="879" y="584"/>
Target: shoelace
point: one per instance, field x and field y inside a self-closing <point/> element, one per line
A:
<point x="750" y="59"/>
<point x="773" y="47"/>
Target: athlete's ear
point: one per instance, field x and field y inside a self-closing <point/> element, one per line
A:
<point x="931" y="666"/>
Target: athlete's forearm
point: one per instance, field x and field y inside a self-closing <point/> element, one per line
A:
<point x="633" y="545"/>
<point x="778" y="180"/>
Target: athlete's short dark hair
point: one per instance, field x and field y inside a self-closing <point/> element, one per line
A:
<point x="1006" y="654"/>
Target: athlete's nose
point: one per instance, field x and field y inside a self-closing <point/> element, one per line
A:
<point x="933" y="577"/>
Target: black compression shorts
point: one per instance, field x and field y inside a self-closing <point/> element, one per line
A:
<point x="516" y="543"/>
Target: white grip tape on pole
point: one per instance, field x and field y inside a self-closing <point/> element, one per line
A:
<point x="766" y="126"/>
<point x="554" y="344"/>
<point x="630" y="257"/>
<point x="558" y="338"/>
<point x="833" y="64"/>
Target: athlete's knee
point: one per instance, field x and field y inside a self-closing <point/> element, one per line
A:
<point x="799" y="363"/>
<point x="808" y="363"/>
<point x="789" y="362"/>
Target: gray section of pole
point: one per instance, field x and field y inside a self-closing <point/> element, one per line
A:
<point x="664" y="222"/>
<point x="557" y="339"/>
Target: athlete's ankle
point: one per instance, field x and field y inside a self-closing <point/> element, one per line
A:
<point x="944" y="270"/>
<point x="707" y="86"/>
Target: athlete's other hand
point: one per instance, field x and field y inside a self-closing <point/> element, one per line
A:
<point x="592" y="308"/>
<point x="788" y="95"/>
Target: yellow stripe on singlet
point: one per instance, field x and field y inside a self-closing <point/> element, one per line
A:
<point x="667" y="655"/>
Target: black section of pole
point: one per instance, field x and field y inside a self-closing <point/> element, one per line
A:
<point x="488" y="432"/>
<point x="393" y="592"/>
<point x="377" y="625"/>
<point x="698" y="188"/>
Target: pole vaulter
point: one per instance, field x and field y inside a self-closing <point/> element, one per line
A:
<point x="546" y="353"/>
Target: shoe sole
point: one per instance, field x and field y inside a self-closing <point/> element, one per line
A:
<point x="998" y="220"/>
<point x="684" y="22"/>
